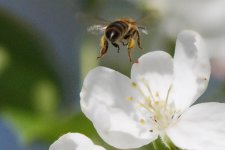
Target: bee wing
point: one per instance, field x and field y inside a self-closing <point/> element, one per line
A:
<point x="94" y="29"/>
<point x="99" y="24"/>
<point x="87" y="18"/>
<point x="143" y="30"/>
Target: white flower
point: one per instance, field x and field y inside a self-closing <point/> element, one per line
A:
<point x="217" y="57"/>
<point x="130" y="113"/>
<point x="74" y="141"/>
<point x="204" y="16"/>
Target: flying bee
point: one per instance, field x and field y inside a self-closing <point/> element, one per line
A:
<point x="123" y="30"/>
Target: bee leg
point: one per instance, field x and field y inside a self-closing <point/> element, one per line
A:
<point x="130" y="45"/>
<point x="124" y="44"/>
<point x="117" y="46"/>
<point x="104" y="45"/>
<point x="129" y="55"/>
<point x="138" y="40"/>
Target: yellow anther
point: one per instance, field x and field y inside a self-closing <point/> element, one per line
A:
<point x="142" y="121"/>
<point x="157" y="94"/>
<point x="134" y="84"/>
<point x="130" y="98"/>
<point x="161" y="113"/>
<point x="156" y="102"/>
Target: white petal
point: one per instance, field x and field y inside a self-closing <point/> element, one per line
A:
<point x="191" y="69"/>
<point x="104" y="100"/>
<point x="96" y="147"/>
<point x="156" y="69"/>
<point x="121" y="130"/>
<point x="74" y="141"/>
<point x="201" y="127"/>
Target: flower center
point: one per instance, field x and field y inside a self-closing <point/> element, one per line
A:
<point x="155" y="111"/>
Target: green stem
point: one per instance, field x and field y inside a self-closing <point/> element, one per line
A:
<point x="155" y="146"/>
<point x="169" y="144"/>
<point x="172" y="147"/>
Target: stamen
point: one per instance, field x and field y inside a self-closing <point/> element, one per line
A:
<point x="154" y="109"/>
<point x="146" y="107"/>
<point x="167" y="96"/>
<point x="172" y="116"/>
<point x="148" y="88"/>
<point x="134" y="85"/>
<point x="157" y="94"/>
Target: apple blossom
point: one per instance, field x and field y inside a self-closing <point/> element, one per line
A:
<point x="74" y="141"/>
<point x="217" y="57"/>
<point x="204" y="16"/>
<point x="130" y="113"/>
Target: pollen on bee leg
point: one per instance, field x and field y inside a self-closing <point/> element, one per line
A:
<point x="131" y="43"/>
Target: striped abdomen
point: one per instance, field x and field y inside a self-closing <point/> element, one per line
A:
<point x="116" y="30"/>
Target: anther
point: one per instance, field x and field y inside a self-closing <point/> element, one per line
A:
<point x="142" y="121"/>
<point x="172" y="116"/>
<point x="178" y="116"/>
<point x="130" y="98"/>
<point x="157" y="94"/>
<point x="134" y="84"/>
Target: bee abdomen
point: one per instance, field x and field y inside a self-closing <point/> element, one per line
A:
<point x="119" y="25"/>
<point x="115" y="30"/>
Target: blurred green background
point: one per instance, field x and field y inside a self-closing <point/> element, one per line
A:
<point x="45" y="53"/>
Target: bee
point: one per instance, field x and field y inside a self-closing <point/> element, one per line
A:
<point x="123" y="30"/>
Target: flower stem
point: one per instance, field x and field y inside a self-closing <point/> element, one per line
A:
<point x="168" y="143"/>
<point x="155" y="146"/>
<point x="158" y="145"/>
